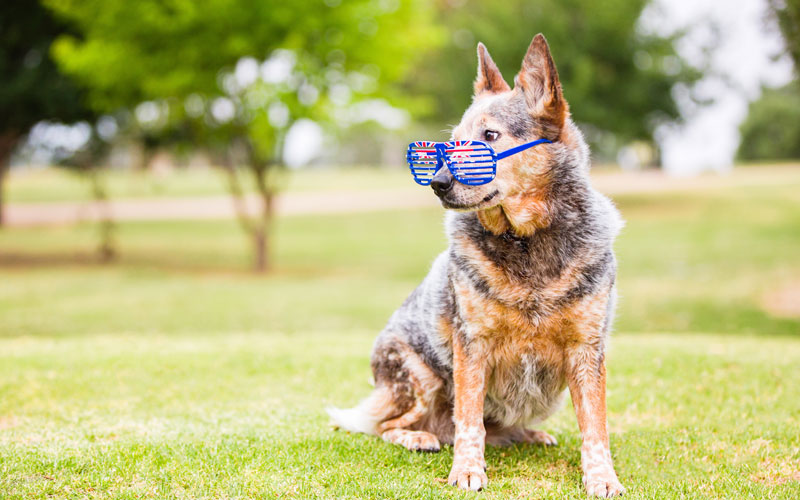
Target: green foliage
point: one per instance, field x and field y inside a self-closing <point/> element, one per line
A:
<point x="787" y="13"/>
<point x="772" y="128"/>
<point x="152" y="49"/>
<point x="615" y="78"/>
<point x="171" y="51"/>
<point x="33" y="89"/>
<point x="177" y="62"/>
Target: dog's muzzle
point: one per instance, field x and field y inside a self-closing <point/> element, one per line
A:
<point x="442" y="182"/>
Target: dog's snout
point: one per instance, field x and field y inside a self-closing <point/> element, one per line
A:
<point x="442" y="182"/>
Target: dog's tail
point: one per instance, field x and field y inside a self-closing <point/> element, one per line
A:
<point x="365" y="417"/>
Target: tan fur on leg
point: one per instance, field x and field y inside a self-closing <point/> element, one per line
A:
<point x="408" y="418"/>
<point x="425" y="384"/>
<point x="587" y="386"/>
<point x="469" y="377"/>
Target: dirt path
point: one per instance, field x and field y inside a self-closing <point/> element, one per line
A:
<point x="213" y="207"/>
<point x="327" y="202"/>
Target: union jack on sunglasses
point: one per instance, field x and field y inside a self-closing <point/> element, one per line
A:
<point x="473" y="163"/>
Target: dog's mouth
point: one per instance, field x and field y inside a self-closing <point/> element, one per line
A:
<point x="458" y="206"/>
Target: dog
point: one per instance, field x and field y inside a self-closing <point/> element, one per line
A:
<point x="520" y="305"/>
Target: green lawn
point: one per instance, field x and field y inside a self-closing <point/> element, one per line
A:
<point x="59" y="184"/>
<point x="176" y="373"/>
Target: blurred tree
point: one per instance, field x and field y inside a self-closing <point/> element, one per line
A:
<point x="233" y="75"/>
<point x="787" y="14"/>
<point x="78" y="148"/>
<point x="772" y="128"/>
<point x="616" y="78"/>
<point x="32" y="89"/>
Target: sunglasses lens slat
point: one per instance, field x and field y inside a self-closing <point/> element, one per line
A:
<point x="471" y="162"/>
<point x="422" y="161"/>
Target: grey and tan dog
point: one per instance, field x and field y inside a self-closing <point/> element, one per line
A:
<point x="518" y="307"/>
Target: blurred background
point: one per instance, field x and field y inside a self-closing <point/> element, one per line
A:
<point x="206" y="219"/>
<point x="152" y="138"/>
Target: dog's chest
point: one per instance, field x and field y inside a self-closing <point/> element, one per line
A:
<point x="526" y="275"/>
<point x="515" y="297"/>
<point x="526" y="382"/>
<point x="525" y="344"/>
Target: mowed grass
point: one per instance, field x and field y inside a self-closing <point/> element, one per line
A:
<point x="62" y="184"/>
<point x="175" y="373"/>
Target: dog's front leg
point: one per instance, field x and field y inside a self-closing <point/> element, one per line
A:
<point x="587" y="386"/>
<point x="469" y="379"/>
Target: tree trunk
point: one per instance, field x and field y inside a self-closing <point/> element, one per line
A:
<point x="261" y="249"/>
<point x="257" y="226"/>
<point x="7" y="142"/>
<point x="3" y="170"/>
<point x="264" y="223"/>
<point x="107" y="247"/>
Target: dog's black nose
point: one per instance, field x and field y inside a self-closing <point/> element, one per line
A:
<point x="442" y="182"/>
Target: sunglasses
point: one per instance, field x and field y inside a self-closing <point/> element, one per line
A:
<point x="473" y="163"/>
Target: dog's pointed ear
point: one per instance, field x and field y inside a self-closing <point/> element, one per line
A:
<point x="538" y="80"/>
<point x="489" y="78"/>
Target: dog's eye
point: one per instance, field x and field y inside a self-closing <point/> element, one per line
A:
<point x="491" y="135"/>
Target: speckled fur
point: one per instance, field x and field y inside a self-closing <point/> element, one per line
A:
<point x="520" y="305"/>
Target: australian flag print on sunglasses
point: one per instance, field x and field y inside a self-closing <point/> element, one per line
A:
<point x="471" y="162"/>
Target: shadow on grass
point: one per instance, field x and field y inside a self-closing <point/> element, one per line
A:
<point x="26" y="261"/>
<point x="174" y="264"/>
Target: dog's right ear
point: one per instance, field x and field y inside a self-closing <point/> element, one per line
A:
<point x="489" y="78"/>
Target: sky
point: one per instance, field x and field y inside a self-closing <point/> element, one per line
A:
<point x="743" y="59"/>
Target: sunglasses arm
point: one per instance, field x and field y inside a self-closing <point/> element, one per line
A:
<point x="521" y="147"/>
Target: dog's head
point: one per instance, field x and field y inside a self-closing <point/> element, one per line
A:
<point x="504" y="118"/>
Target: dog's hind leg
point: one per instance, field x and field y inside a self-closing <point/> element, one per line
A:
<point x="414" y="383"/>
<point x="408" y="418"/>
<point x="535" y="436"/>
<point x="412" y="440"/>
<point x="507" y="436"/>
<point x="396" y="430"/>
<point x="404" y="390"/>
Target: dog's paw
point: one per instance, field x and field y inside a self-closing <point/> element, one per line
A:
<point x="422" y="441"/>
<point x="468" y="478"/>
<point x="412" y="440"/>
<point x="603" y="484"/>
<point x="539" y="437"/>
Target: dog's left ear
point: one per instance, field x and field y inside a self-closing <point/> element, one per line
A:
<point x="538" y="80"/>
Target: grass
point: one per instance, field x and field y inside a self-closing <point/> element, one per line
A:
<point x="240" y="416"/>
<point x="59" y="184"/>
<point x="176" y="373"/>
